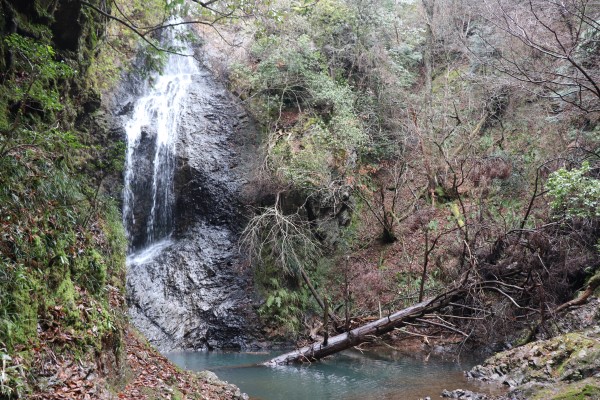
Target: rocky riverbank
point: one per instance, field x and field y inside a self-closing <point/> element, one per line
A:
<point x="156" y="378"/>
<point x="566" y="366"/>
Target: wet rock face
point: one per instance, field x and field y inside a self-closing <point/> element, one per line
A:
<point x="142" y="186"/>
<point x="67" y="25"/>
<point x="191" y="294"/>
<point x="209" y="162"/>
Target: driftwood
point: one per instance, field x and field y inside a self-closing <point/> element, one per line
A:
<point x="365" y="332"/>
<point x="592" y="285"/>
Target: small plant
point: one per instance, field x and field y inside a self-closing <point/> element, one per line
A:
<point x="574" y="192"/>
<point x="12" y="380"/>
<point x="37" y="68"/>
<point x="284" y="306"/>
<point x="34" y="95"/>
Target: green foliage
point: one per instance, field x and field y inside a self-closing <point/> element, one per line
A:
<point x="574" y="192"/>
<point x="308" y="168"/>
<point x="40" y="74"/>
<point x="332" y="19"/>
<point x="290" y="82"/>
<point x="61" y="242"/>
<point x="121" y="44"/>
<point x="323" y="84"/>
<point x="284" y="307"/>
<point x="18" y="304"/>
<point x="46" y="249"/>
<point x="106" y="69"/>
<point x="54" y="270"/>
<point x="12" y="377"/>
<point x="34" y="95"/>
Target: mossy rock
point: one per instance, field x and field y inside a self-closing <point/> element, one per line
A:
<point x="24" y="310"/>
<point x="565" y="358"/>
<point x="65" y="293"/>
<point x="90" y="271"/>
<point x="588" y="389"/>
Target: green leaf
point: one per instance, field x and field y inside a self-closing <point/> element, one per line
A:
<point x="270" y="300"/>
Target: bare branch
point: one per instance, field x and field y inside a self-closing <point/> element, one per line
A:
<point x="142" y="35"/>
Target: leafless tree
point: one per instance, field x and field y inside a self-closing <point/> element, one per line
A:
<point x="551" y="46"/>
<point x="287" y="240"/>
<point x="384" y="202"/>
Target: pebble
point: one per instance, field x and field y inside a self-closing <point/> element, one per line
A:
<point x="463" y="395"/>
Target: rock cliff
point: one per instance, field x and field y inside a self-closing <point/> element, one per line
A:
<point x="191" y="293"/>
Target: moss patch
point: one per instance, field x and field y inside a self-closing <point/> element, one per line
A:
<point x="587" y="392"/>
<point x="62" y="251"/>
<point x="588" y="389"/>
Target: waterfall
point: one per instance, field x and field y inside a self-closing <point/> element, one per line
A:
<point x="150" y="161"/>
<point x="189" y="148"/>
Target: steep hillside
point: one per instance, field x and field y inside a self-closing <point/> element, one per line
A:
<point x="62" y="245"/>
<point x="63" y="323"/>
<point x="403" y="156"/>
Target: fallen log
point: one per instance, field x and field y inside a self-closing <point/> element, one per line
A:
<point x="592" y="285"/>
<point x="363" y="333"/>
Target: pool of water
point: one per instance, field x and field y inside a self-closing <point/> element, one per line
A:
<point x="380" y="373"/>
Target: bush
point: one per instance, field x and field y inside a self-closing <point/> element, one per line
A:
<point x="574" y="192"/>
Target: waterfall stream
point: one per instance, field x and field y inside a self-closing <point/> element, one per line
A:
<point x="186" y="165"/>
<point x="156" y="114"/>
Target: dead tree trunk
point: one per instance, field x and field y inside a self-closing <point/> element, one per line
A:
<point x="364" y="333"/>
<point x="334" y="318"/>
<point x="592" y="285"/>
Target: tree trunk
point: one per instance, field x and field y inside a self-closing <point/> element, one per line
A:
<point x="364" y="333"/>
<point x="592" y="285"/>
<point x="317" y="298"/>
<point x="428" y="6"/>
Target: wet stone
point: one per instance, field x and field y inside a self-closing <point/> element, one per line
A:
<point x="186" y="291"/>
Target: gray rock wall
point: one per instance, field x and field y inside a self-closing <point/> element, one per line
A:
<point x="192" y="294"/>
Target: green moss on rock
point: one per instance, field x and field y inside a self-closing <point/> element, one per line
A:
<point x="61" y="242"/>
<point x="568" y="357"/>
<point x="564" y="367"/>
<point x="20" y="319"/>
<point x="587" y="392"/>
<point x="588" y="389"/>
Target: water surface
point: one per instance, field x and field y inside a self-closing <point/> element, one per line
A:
<point x="374" y="374"/>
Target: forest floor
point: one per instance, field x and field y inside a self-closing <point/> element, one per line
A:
<point x="146" y="375"/>
<point x="153" y="377"/>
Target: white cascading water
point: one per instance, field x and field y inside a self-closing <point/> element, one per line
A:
<point x="158" y="112"/>
<point x="189" y="149"/>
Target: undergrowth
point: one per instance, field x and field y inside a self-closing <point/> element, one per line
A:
<point x="62" y="245"/>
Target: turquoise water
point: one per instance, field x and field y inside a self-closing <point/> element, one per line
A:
<point x="374" y="374"/>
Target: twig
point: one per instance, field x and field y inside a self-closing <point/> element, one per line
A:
<point x="442" y="326"/>
<point x="404" y="330"/>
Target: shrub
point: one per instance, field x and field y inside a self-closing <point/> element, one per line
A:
<point x="574" y="192"/>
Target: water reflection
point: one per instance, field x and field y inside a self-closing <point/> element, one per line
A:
<point x="375" y="374"/>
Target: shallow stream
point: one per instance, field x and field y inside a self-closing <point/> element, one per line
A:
<point x="380" y="373"/>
